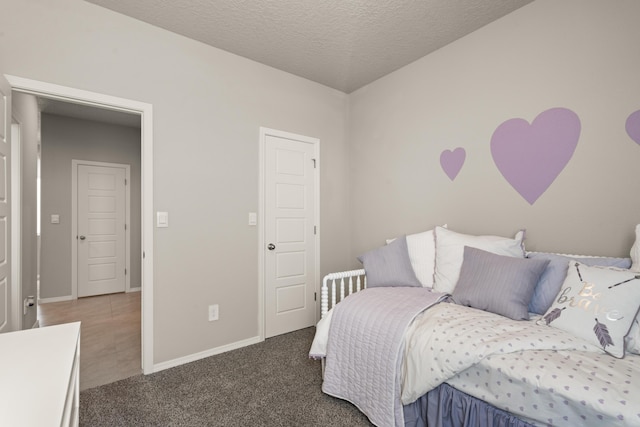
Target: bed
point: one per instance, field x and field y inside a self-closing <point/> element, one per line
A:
<point x="442" y="328"/>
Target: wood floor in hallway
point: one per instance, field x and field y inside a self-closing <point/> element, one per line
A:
<point x="110" y="335"/>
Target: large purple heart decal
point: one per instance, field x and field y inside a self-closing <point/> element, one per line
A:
<point x="531" y="156"/>
<point x="633" y="126"/>
<point x="452" y="161"/>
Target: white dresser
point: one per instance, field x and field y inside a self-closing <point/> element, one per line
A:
<point x="40" y="376"/>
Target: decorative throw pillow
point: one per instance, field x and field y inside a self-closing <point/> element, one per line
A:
<point x="553" y="276"/>
<point x="450" y="249"/>
<point x="632" y="340"/>
<point x="497" y="283"/>
<point x="597" y="304"/>
<point x="422" y="254"/>
<point x="635" y="251"/>
<point x="389" y="265"/>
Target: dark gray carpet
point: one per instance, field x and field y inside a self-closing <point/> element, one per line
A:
<point x="268" y="384"/>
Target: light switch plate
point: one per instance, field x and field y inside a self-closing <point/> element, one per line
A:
<point x="162" y="219"/>
<point x="55" y="219"/>
<point x="253" y="218"/>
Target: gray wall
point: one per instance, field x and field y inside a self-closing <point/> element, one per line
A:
<point x="580" y="55"/>
<point x="63" y="140"/>
<point x="208" y="106"/>
<point x="25" y="109"/>
<point x="380" y="146"/>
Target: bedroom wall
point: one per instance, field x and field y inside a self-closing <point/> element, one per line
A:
<point x="578" y="55"/>
<point x="208" y="106"/>
<point x="65" y="139"/>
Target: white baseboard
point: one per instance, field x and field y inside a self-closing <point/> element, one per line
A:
<point x="197" y="356"/>
<point x="55" y="299"/>
<point x="135" y="289"/>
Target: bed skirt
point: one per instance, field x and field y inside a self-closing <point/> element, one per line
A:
<point x="445" y="406"/>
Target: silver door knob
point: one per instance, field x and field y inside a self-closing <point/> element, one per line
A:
<point x="271" y="246"/>
<point x="82" y="237"/>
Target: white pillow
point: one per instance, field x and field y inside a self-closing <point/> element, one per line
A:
<point x="635" y="251"/>
<point x="632" y="340"/>
<point x="422" y="254"/>
<point x="450" y="253"/>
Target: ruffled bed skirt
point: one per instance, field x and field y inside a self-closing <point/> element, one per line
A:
<point x="447" y="407"/>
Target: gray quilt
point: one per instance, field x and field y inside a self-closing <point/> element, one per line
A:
<point x="364" y="351"/>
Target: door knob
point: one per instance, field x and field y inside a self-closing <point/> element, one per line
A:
<point x="82" y="237"/>
<point x="271" y="246"/>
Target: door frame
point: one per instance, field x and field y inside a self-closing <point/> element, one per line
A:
<point x="145" y="111"/>
<point x="17" y="310"/>
<point x="262" y="250"/>
<point x="74" y="221"/>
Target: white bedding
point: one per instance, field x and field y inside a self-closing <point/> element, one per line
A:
<point x="612" y="397"/>
<point x="539" y="373"/>
<point x="544" y="375"/>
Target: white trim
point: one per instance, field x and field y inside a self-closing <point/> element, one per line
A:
<point x="74" y="220"/>
<point x="264" y="132"/>
<point x="134" y="289"/>
<point x="56" y="299"/>
<point x="17" y="308"/>
<point x="145" y="110"/>
<point x="204" y="354"/>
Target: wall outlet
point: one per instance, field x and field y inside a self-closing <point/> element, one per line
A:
<point x="213" y="312"/>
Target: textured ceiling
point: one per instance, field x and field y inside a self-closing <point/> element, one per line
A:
<point x="343" y="44"/>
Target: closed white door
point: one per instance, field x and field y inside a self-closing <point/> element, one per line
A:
<point x="5" y="206"/>
<point x="101" y="230"/>
<point x="290" y="255"/>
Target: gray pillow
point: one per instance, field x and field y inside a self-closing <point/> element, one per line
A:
<point x="389" y="265"/>
<point x="553" y="277"/>
<point x="497" y="283"/>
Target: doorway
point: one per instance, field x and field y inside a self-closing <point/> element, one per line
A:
<point x="144" y="111"/>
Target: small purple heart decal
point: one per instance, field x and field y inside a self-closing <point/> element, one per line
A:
<point x="452" y="161"/>
<point x="633" y="126"/>
<point x="531" y="156"/>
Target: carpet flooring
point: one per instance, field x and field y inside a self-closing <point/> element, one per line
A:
<point x="273" y="383"/>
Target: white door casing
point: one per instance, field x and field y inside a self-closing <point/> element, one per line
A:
<point x="6" y="299"/>
<point x="290" y="223"/>
<point x="16" y="225"/>
<point x="145" y="111"/>
<point x="101" y="233"/>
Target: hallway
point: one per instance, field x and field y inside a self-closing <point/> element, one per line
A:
<point x="110" y="337"/>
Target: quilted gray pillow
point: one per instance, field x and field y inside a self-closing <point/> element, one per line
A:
<point x="497" y="283"/>
<point x="389" y="265"/>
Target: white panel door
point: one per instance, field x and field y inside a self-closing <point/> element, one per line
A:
<point x="290" y="270"/>
<point x="5" y="206"/>
<point x="101" y="230"/>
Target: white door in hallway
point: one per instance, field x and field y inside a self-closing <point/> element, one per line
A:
<point x="101" y="230"/>
<point x="290" y="224"/>
<point x="5" y="206"/>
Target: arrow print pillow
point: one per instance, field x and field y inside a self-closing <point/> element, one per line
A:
<point x="597" y="304"/>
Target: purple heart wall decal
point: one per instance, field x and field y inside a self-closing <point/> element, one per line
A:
<point x="452" y="161"/>
<point x="633" y="126"/>
<point x="531" y="156"/>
